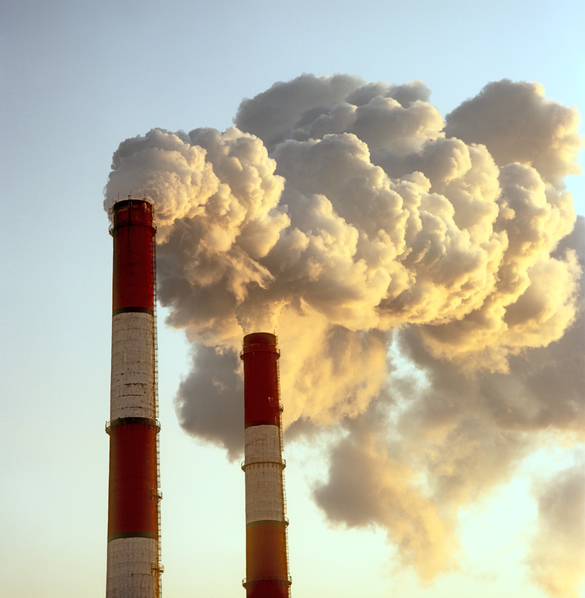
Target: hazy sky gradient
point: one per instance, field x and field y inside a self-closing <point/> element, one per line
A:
<point x="79" y="77"/>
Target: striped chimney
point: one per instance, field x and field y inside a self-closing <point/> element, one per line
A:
<point x="266" y="525"/>
<point x="133" y="564"/>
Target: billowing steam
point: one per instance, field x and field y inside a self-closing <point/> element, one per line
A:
<point x="353" y="221"/>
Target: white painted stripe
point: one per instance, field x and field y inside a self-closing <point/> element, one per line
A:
<point x="264" y="498"/>
<point x="130" y="568"/>
<point x="132" y="382"/>
<point x="262" y="443"/>
<point x="263" y="469"/>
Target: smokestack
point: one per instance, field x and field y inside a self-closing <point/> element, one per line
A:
<point x="133" y="566"/>
<point x="266" y="539"/>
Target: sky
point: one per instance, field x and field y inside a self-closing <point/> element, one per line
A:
<point x="79" y="78"/>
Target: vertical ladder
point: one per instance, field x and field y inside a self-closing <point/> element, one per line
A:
<point x="281" y="409"/>
<point x="157" y="566"/>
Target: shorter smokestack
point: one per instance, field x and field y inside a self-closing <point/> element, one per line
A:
<point x="266" y="525"/>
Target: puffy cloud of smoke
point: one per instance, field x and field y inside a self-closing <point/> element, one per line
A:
<point x="545" y="137"/>
<point x="456" y="437"/>
<point x="372" y="483"/>
<point x="346" y="216"/>
<point x="557" y="559"/>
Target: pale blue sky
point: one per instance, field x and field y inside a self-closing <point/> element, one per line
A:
<point x="77" y="77"/>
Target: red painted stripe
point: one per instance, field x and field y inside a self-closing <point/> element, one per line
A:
<point x="261" y="395"/>
<point x="133" y="500"/>
<point x="267" y="589"/>
<point x="266" y="566"/>
<point x="133" y="234"/>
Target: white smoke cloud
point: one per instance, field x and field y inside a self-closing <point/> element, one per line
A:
<point x="462" y="435"/>
<point x="545" y="137"/>
<point x="344" y="216"/>
<point x="372" y="483"/>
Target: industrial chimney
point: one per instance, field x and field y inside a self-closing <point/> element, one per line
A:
<point x="266" y="525"/>
<point x="133" y="565"/>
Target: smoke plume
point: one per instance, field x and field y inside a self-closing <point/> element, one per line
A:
<point x="364" y="229"/>
<point x="557" y="558"/>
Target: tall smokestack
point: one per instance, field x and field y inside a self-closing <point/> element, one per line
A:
<point x="266" y="539"/>
<point x="133" y="566"/>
